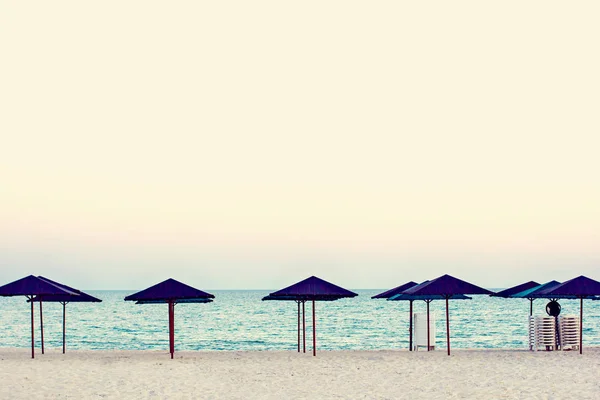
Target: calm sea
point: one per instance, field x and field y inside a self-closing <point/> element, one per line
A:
<point x="239" y="320"/>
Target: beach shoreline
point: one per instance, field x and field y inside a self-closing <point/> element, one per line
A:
<point x="346" y="374"/>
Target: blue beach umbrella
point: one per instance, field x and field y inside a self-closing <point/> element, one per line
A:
<point x="170" y="292"/>
<point x="540" y="292"/>
<point x="512" y="291"/>
<point x="30" y="287"/>
<point x="64" y="299"/>
<point x="393" y="292"/>
<point x="427" y="299"/>
<point x="311" y="289"/>
<point x="447" y="287"/>
<point x="582" y="288"/>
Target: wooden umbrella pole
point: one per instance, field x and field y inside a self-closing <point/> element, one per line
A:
<point x="170" y="318"/>
<point x="32" y="330"/>
<point x="173" y="331"/>
<point x="581" y="325"/>
<point x="41" y="326"/>
<point x="171" y="328"/>
<point x="303" y="327"/>
<point x="530" y="307"/>
<point x="410" y="327"/>
<point x="314" y="330"/>
<point x="64" y="326"/>
<point x="298" y="326"/>
<point x="428" y="337"/>
<point x="447" y="325"/>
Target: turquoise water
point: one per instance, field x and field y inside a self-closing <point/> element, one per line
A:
<point x="239" y="320"/>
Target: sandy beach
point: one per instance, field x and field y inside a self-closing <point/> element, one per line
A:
<point x="467" y="374"/>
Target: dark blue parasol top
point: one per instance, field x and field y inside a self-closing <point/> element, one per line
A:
<point x="395" y="291"/>
<point x="34" y="286"/>
<point x="446" y="286"/>
<point x="169" y="290"/>
<point x="313" y="288"/>
<point x="537" y="292"/>
<point x="79" y="297"/>
<point x="580" y="287"/>
<point x="506" y="293"/>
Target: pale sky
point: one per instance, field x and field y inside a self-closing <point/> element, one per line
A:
<point x="250" y="144"/>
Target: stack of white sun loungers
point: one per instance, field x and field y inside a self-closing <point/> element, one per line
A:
<point x="542" y="333"/>
<point x="568" y="330"/>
